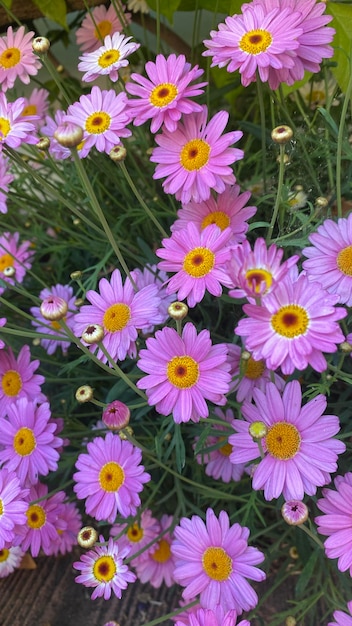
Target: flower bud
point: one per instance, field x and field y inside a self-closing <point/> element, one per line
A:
<point x="290" y="621"/>
<point x="294" y="512"/>
<point x="116" y="415"/>
<point x="258" y="430"/>
<point x="79" y="302"/>
<point x="345" y="346"/>
<point x="118" y="153"/>
<point x="87" y="537"/>
<point x="93" y="333"/>
<point x="43" y="143"/>
<point x="321" y="202"/>
<point x="40" y="45"/>
<point x="84" y="394"/>
<point x="76" y="275"/>
<point x="68" y="134"/>
<point x="9" y="271"/>
<point x="53" y="308"/>
<point x="177" y="310"/>
<point x="126" y="432"/>
<point x="282" y="134"/>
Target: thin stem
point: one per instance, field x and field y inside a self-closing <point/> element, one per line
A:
<point x="159" y="620"/>
<point x="278" y="193"/>
<point x="340" y="142"/>
<point x="311" y="535"/>
<point x="120" y="372"/>
<point x="262" y="126"/>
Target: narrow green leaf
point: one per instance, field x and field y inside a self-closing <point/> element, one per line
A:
<point x="342" y="43"/>
<point x="306" y="575"/>
<point x="55" y="11"/>
<point x="330" y="121"/>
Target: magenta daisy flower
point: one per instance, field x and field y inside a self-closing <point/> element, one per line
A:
<point x="99" y="22"/>
<point x="248" y="374"/>
<point x="103" y="115"/>
<point x="28" y="441"/>
<point x="13" y="507"/>
<point x="68" y="525"/>
<point x="16" y="256"/>
<point x="212" y="617"/>
<point x="300" y="451"/>
<point x="330" y="258"/>
<point x="341" y="618"/>
<point x="183" y="372"/>
<point x="17" y="378"/>
<point x="120" y="311"/>
<point x="294" y="326"/>
<point x="137" y="535"/>
<point x="217" y="564"/>
<point x="165" y="95"/>
<point x="151" y="275"/>
<point x="17" y="59"/>
<point x="196" y="157"/>
<point x="108" y="58"/>
<point x="198" y="258"/>
<point x="256" y="40"/>
<point x="157" y="565"/>
<point x="14" y="129"/>
<point x="6" y="179"/>
<point x="110" y="476"/>
<point x="227" y="211"/>
<point x="10" y="559"/>
<point x="103" y="568"/>
<point x="36" y="104"/>
<point x="53" y="328"/>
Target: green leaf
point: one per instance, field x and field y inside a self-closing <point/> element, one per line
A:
<point x="342" y="43"/>
<point x="306" y="574"/>
<point x="55" y="11"/>
<point x="166" y="7"/>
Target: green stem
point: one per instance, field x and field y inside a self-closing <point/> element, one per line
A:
<point x="120" y="372"/>
<point x="278" y="194"/>
<point x="262" y="126"/>
<point x="159" y="620"/>
<point x="346" y="103"/>
<point x="311" y="535"/>
<point x="56" y="77"/>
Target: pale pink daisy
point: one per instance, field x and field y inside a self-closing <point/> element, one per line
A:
<point x="294" y="326"/>
<point x="14" y="129"/>
<point x="337" y="522"/>
<point x="157" y="565"/>
<point x="108" y="58"/>
<point x="151" y="275"/>
<point x="228" y="210"/>
<point x="13" y="506"/>
<point x="16" y="256"/>
<point x="255" y="273"/>
<point x="10" y="559"/>
<point x="45" y="327"/>
<point x="110" y="477"/>
<point x="165" y="95"/>
<point x="17" y="59"/>
<point x="99" y="22"/>
<point x="137" y="535"/>
<point x="70" y="523"/>
<point x="199" y="259"/>
<point x="248" y="374"/>
<point x="36" y="104"/>
<point x="103" y="568"/>
<point x="28" y="441"/>
<point x="184" y="372"/>
<point x="212" y="617"/>
<point x="341" y="618"/>
<point x="196" y="157"/>
<point x="216" y="563"/>
<point x="6" y="179"/>
<point x="17" y="378"/>
<point x="300" y="451"/>
<point x="120" y="311"/>
<point x="330" y="258"/>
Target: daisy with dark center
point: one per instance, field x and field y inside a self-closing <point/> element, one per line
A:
<point x="293" y="326"/>
<point x="17" y="59"/>
<point x="17" y="378"/>
<point x="165" y="95"/>
<point x="137" y="535"/>
<point x="108" y="58"/>
<point x="341" y="618"/>
<point x="99" y="22"/>
<point x="199" y="260"/>
<point x="300" y="451"/>
<point x="13" y="507"/>
<point x="184" y="372"/>
<point x="70" y="523"/>
<point x="54" y="328"/>
<point x="14" y="129"/>
<point x="196" y="157"/>
<point x="156" y="566"/>
<point x="216" y="564"/>
<point x="14" y="255"/>
<point x="103" y="568"/>
<point x="248" y="374"/>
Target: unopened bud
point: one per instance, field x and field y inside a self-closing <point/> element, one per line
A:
<point x="84" y="394"/>
<point x="258" y="430"/>
<point x="282" y="134"/>
<point x="345" y="346"/>
<point x="76" y="275"/>
<point x="290" y="621"/>
<point x="40" y="45"/>
<point x="118" y="153"/>
<point x="321" y="202"/>
<point x="79" y="302"/>
<point x="43" y="143"/>
<point x="93" y="333"/>
<point x="177" y="310"/>
<point x="68" y="134"/>
<point x="294" y="512"/>
<point x="116" y="415"/>
<point x="87" y="537"/>
<point x="9" y="271"/>
<point x="53" y="308"/>
<point x="126" y="432"/>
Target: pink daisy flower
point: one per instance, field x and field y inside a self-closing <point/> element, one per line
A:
<point x="196" y="157"/>
<point x="183" y="372"/>
<point x="14" y="129"/>
<point x="198" y="258"/>
<point x="227" y="211"/>
<point x="137" y="535"/>
<point x="293" y="326"/>
<point x="110" y="476"/>
<point x="151" y="275"/>
<point x="157" y="565"/>
<point x="10" y="559"/>
<point x="103" y="115"/>
<point x="17" y="378"/>
<point x="17" y="59"/>
<point x="14" y="255"/>
<point x="53" y="328"/>
<point x="120" y="311"/>
<point x="6" y="179"/>
<point x="212" y="617"/>
<point x="103" y="568"/>
<point x="330" y="258"/>
<point x="13" y="507"/>
<point x="28" y="440"/>
<point x="98" y="23"/>
<point x="248" y="374"/>
<point x="341" y="618"/>
<point x="256" y="40"/>
<point x="70" y="523"/>
<point x="300" y="451"/>
<point x="337" y="522"/>
<point x="36" y="104"/>
<point x="217" y="461"/>
<point x="108" y="58"/>
<point x="217" y="564"/>
<point x="165" y="95"/>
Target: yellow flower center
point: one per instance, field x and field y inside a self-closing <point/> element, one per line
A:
<point x="36" y="516"/>
<point x="217" y="563"/>
<point x="135" y="533"/>
<point x="253" y="369"/>
<point x="4" y="128"/>
<point x="256" y="276"/>
<point x="199" y="262"/>
<point x="255" y="41"/>
<point x="4" y="555"/>
<point x="98" y="123"/>
<point x="344" y="261"/>
<point x="1" y="507"/>
<point x="195" y="154"/>
<point x="104" y="568"/>
<point x="103" y="28"/>
<point x="30" y="109"/>
<point x="226" y="449"/>
<point x="11" y="383"/>
<point x="163" y="552"/>
<point x="111" y="476"/>
<point x="24" y="441"/>
<point x="10" y="57"/>
<point x="283" y="440"/>
<point x="290" y="321"/>
<point x="182" y="372"/>
<point x="163" y="94"/>
<point x="56" y="325"/>
<point x="108" y="58"/>
<point x="219" y="218"/>
<point x="6" y="260"/>
<point x="116" y="317"/>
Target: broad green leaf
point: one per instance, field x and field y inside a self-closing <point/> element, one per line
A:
<point x="166" y="7"/>
<point x="342" y="43"/>
<point x="55" y="11"/>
